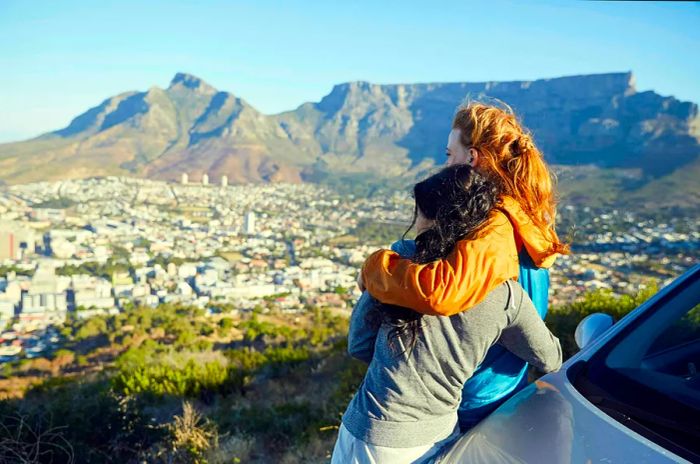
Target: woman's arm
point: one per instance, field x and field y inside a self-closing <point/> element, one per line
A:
<point x="527" y="336"/>
<point x="451" y="285"/>
<point x="362" y="334"/>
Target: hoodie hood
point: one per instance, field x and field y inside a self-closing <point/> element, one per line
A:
<point x="539" y="245"/>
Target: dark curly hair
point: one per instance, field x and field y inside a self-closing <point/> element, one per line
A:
<point x="458" y="200"/>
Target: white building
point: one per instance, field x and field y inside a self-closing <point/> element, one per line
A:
<point x="205" y="179"/>
<point x="249" y="223"/>
<point x="64" y="243"/>
<point x="184" y="179"/>
<point x="62" y="248"/>
<point x="43" y="296"/>
<point x="183" y="288"/>
<point x="10" y="289"/>
<point x="207" y="278"/>
<point x="219" y="264"/>
<point x="252" y="291"/>
<point x="224" y="181"/>
<point x="92" y="292"/>
<point x="172" y="269"/>
<point x="139" y="257"/>
<point x="7" y="312"/>
<point x="140" y="290"/>
<point x="187" y="270"/>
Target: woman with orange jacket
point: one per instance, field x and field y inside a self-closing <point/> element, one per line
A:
<point x="519" y="241"/>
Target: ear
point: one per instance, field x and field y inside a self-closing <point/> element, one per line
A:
<point x="473" y="157"/>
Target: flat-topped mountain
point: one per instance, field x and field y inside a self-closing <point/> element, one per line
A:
<point x="358" y="127"/>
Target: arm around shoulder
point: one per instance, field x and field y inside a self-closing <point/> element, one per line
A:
<point x="451" y="285"/>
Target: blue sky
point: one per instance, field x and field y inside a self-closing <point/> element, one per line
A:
<point x="59" y="58"/>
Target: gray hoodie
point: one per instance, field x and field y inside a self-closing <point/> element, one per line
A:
<point x="410" y="398"/>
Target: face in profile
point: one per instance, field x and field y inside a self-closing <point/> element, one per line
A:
<point x="457" y="153"/>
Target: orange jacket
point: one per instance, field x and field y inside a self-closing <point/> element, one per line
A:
<point x="468" y="274"/>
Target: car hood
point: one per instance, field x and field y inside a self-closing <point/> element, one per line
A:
<point x="551" y="422"/>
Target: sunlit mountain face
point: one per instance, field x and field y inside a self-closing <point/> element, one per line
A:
<point x="601" y="121"/>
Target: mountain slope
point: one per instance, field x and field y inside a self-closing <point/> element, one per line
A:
<point x="357" y="128"/>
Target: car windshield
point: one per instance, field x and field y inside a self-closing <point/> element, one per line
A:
<point x="647" y="376"/>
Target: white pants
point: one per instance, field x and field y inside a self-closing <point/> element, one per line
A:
<point x="350" y="450"/>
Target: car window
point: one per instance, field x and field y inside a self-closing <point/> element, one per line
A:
<point x="663" y="352"/>
<point x="683" y="331"/>
<point x="646" y="375"/>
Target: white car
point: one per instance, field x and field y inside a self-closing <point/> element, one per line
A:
<point x="631" y="395"/>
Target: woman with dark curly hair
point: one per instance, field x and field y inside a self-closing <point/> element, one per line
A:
<point x="406" y="408"/>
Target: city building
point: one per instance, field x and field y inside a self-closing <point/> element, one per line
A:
<point x="43" y="296"/>
<point x="122" y="283"/>
<point x="224" y="181"/>
<point x="15" y="241"/>
<point x="205" y="179"/>
<point x="249" y="223"/>
<point x="91" y="292"/>
<point x="7" y="312"/>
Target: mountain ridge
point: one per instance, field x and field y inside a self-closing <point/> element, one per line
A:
<point x="358" y="127"/>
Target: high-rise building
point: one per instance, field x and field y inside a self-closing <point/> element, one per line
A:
<point x="249" y="223"/>
<point x="9" y="246"/>
<point x="184" y="179"/>
<point x="224" y="181"/>
<point x="15" y="241"/>
<point x="205" y="179"/>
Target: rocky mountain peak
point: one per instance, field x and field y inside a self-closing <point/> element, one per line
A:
<point x="349" y="93"/>
<point x="191" y="82"/>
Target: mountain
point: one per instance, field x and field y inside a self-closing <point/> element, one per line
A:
<point x="357" y="128"/>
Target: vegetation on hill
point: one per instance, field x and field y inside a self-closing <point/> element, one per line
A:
<point x="172" y="384"/>
<point x="379" y="233"/>
<point x="562" y="320"/>
<point x="56" y="203"/>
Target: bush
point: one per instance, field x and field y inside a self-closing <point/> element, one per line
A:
<point x="226" y="323"/>
<point x="562" y="320"/>
<point x="190" y="436"/>
<point x="122" y="413"/>
<point x="161" y="379"/>
<point x="253" y="328"/>
<point x="91" y="328"/>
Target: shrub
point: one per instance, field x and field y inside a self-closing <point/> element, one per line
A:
<point x="190" y="436"/>
<point x="226" y="323"/>
<point x="160" y="379"/>
<point x="92" y="327"/>
<point x="562" y="320"/>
